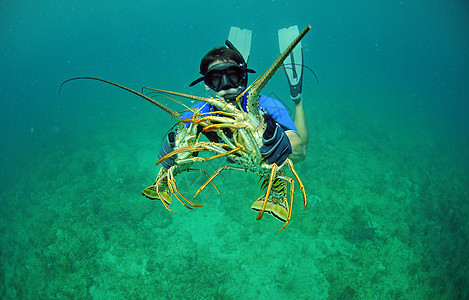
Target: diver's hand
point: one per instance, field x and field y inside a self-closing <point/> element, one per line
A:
<point x="168" y="147"/>
<point x="277" y="147"/>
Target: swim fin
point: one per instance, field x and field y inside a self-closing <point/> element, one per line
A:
<point x="293" y="64"/>
<point x="241" y="39"/>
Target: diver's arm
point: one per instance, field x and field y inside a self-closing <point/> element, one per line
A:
<point x="297" y="145"/>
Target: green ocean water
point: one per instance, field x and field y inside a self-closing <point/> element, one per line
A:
<point x="386" y="173"/>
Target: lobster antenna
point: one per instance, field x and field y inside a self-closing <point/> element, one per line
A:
<point x="175" y="115"/>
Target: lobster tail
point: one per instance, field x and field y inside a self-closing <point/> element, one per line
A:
<point x="279" y="211"/>
<point x="277" y="204"/>
<point x="152" y="194"/>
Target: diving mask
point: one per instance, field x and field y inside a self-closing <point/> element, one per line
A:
<point x="223" y="76"/>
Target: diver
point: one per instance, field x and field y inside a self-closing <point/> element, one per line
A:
<point x="225" y="73"/>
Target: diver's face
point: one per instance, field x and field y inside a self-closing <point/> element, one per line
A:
<point x="226" y="94"/>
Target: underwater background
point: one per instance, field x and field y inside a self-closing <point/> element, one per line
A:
<point x="386" y="173"/>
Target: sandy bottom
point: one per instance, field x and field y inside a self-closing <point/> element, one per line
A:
<point x="387" y="218"/>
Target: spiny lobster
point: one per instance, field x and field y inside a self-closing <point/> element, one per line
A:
<point x="242" y="147"/>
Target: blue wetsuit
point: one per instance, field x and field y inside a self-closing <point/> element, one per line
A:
<point x="271" y="105"/>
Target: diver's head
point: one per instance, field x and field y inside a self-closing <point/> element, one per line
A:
<point x="224" y="72"/>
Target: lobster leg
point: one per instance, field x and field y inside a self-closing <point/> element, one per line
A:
<point x="292" y="190"/>
<point x="217" y="172"/>
<point x="162" y="199"/>
<point x="208" y="176"/>
<point x="221" y="154"/>
<point x="175" y="191"/>
<point x="201" y="146"/>
<point x="191" y="148"/>
<point x="208" y="147"/>
<point x="302" y="187"/>
<point x="153" y="192"/>
<point x="273" y="172"/>
<point x="223" y="125"/>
